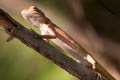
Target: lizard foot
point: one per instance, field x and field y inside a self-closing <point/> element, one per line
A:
<point x="99" y="76"/>
<point x="38" y="36"/>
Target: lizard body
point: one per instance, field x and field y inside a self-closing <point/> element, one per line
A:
<point x="50" y="31"/>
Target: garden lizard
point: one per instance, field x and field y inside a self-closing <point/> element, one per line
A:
<point x="51" y="31"/>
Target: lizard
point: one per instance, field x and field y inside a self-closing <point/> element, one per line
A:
<point x="49" y="30"/>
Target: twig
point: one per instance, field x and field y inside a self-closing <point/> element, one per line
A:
<point x="15" y="29"/>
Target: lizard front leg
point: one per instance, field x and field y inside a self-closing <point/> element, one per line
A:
<point x="47" y="37"/>
<point x="44" y="37"/>
<point x="47" y="32"/>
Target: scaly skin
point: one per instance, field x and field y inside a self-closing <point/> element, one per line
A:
<point x="50" y="31"/>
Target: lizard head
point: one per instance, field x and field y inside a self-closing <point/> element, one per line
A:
<point x="34" y="15"/>
<point x="32" y="10"/>
<point x="29" y="10"/>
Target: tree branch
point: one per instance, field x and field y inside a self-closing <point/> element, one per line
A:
<point x="15" y="29"/>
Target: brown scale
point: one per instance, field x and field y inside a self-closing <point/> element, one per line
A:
<point x="5" y="23"/>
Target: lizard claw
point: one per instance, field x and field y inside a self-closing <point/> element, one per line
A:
<point x="38" y="36"/>
<point x="46" y="40"/>
<point x="99" y="76"/>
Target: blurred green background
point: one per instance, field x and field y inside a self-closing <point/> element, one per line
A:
<point x="19" y="62"/>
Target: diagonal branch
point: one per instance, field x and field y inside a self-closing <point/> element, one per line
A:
<point x="15" y="29"/>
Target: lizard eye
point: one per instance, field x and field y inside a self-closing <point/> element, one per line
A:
<point x="35" y="8"/>
<point x="37" y="11"/>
